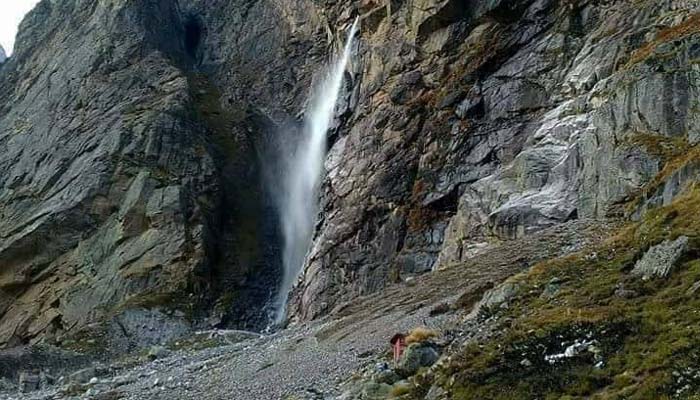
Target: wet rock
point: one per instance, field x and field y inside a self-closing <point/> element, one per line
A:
<point x="547" y="133"/>
<point x="659" y="260"/>
<point x="140" y="199"/>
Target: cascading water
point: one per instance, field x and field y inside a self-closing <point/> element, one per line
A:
<point x="299" y="202"/>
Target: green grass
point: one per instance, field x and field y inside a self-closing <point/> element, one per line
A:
<point x="647" y="340"/>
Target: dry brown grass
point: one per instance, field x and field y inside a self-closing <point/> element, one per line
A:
<point x="686" y="28"/>
<point x="420" y="334"/>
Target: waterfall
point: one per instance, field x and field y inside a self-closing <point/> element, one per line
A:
<point x="298" y="204"/>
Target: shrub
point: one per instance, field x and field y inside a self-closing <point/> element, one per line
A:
<point x="420" y="335"/>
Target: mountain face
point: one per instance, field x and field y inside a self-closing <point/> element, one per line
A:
<point x="135" y="137"/>
<point x="492" y="120"/>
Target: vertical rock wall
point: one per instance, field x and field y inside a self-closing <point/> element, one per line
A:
<point x="135" y="137"/>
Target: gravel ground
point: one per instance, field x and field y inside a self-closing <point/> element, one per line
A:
<point x="312" y="361"/>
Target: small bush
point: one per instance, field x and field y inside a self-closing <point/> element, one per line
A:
<point x="420" y="335"/>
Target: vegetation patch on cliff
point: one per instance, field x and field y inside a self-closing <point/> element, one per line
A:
<point x="689" y="26"/>
<point x="582" y="326"/>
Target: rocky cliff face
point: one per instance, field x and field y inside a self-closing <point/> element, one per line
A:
<point x="487" y="121"/>
<point x="136" y="135"/>
<point x="130" y="190"/>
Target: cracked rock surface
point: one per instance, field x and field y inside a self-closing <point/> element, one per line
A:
<point x="136" y="138"/>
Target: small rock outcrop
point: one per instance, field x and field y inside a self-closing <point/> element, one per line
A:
<point x="659" y="261"/>
<point x="415" y="357"/>
<point x="498" y="296"/>
<point x="3" y="55"/>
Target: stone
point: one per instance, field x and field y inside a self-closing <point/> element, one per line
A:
<point x="551" y="289"/>
<point x="386" y="376"/>
<point x="450" y="99"/>
<point x="659" y="260"/>
<point x="6" y="385"/>
<point x="693" y="289"/>
<point x="622" y="292"/>
<point x="156" y="352"/>
<point x="499" y="295"/>
<point x="83" y="376"/>
<point x="470" y="107"/>
<point x="375" y="391"/>
<point x="139" y="199"/>
<point x="415" y="357"/>
<point x="436" y="393"/>
<point x="28" y="382"/>
<point x="534" y="144"/>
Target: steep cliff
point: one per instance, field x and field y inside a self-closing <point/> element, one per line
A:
<point x="136" y="137"/>
<point x="487" y="121"/>
<point x="130" y="189"/>
<point x="547" y="144"/>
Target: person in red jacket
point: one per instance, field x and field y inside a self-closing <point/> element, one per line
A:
<point x="398" y="344"/>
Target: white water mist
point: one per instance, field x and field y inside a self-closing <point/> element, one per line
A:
<point x="299" y="200"/>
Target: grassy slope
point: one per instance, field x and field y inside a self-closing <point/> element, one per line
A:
<point x="650" y="341"/>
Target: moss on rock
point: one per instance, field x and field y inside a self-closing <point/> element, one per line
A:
<point x="646" y="341"/>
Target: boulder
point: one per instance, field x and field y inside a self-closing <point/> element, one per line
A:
<point x="435" y="393"/>
<point x="415" y="357"/>
<point x="552" y="289"/>
<point x="386" y="376"/>
<point x="375" y="391"/>
<point x="28" y="382"/>
<point x="659" y="260"/>
<point x="157" y="352"/>
<point x="499" y="296"/>
<point x="83" y="376"/>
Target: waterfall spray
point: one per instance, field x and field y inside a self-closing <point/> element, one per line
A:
<point x="299" y="202"/>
